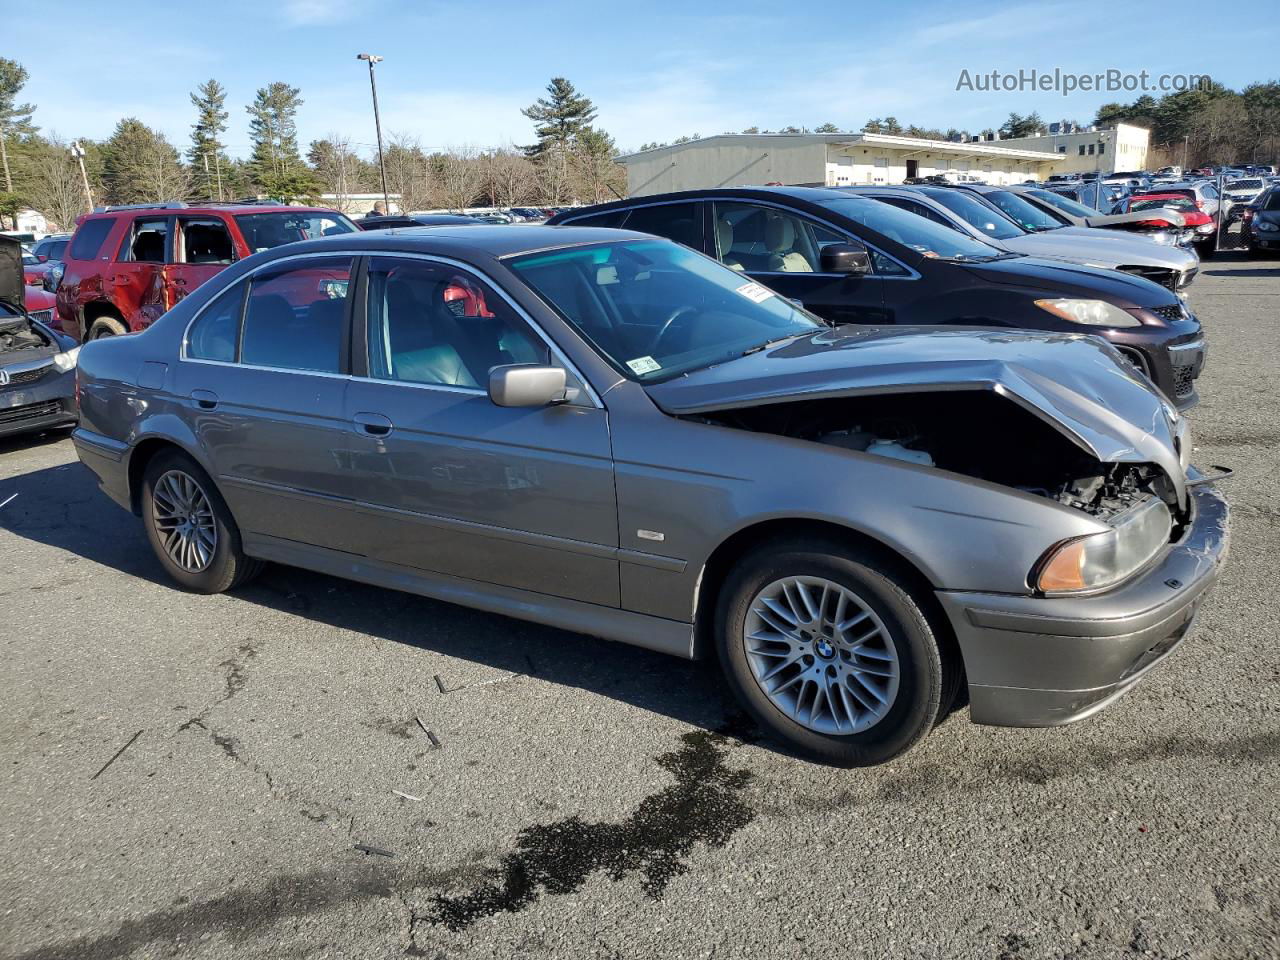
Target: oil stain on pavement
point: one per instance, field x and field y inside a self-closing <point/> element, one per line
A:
<point x="703" y="805"/>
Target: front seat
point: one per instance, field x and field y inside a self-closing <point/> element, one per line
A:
<point x="724" y="241"/>
<point x="780" y="241"/>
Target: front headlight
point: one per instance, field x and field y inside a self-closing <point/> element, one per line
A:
<point x="1093" y="313"/>
<point x="66" y="361"/>
<point x="1101" y="560"/>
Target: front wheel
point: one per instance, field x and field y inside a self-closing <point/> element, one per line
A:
<point x="828" y="648"/>
<point x="106" y="327"/>
<point x="190" y="527"/>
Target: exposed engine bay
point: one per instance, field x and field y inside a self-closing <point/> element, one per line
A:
<point x="975" y="433"/>
<point x="18" y="336"/>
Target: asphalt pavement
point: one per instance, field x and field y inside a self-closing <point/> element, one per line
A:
<point x="311" y="768"/>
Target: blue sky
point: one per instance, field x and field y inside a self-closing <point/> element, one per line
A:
<point x="457" y="73"/>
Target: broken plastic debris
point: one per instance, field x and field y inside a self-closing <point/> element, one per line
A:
<point x="116" y="756"/>
<point x="407" y="796"/>
<point x="373" y="851"/>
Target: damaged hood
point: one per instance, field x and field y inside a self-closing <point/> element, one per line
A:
<point x="1077" y="384"/>
<point x="1103" y="248"/>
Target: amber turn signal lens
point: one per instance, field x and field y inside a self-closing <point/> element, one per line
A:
<point x="1065" y="570"/>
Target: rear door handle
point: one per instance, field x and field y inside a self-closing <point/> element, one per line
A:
<point x="205" y="399"/>
<point x="372" y="424"/>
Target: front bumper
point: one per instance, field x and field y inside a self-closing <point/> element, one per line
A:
<point x="37" y="397"/>
<point x="1045" y="661"/>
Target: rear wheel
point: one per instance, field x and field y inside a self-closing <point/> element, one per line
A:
<point x="190" y="528"/>
<point x="828" y="648"/>
<point x="106" y="327"/>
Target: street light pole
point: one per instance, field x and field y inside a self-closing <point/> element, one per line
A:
<point x="77" y="151"/>
<point x="377" y="123"/>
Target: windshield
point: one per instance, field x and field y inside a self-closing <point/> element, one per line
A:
<point x="655" y="309"/>
<point x="1272" y="201"/>
<point x="911" y="230"/>
<point x="978" y="214"/>
<point x="1064" y="203"/>
<point x="1026" y="215"/>
<point x="1176" y="203"/>
<point x="29" y="258"/>
<point x="262" y="231"/>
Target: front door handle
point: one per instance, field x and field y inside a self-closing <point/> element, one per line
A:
<point x="205" y="399"/>
<point x="372" y="424"/>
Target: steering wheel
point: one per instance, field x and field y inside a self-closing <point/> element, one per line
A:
<point x="675" y="315"/>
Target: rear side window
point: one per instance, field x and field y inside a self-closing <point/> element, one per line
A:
<point x="680" y="222"/>
<point x="610" y="218"/>
<point x="213" y="335"/>
<point x="294" y="318"/>
<point x="89" y="237"/>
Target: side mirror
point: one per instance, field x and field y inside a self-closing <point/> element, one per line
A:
<point x="526" y="385"/>
<point x="845" y="258"/>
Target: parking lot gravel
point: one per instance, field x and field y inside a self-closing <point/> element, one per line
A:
<point x="313" y="768"/>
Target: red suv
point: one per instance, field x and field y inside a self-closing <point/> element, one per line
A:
<point x="125" y="266"/>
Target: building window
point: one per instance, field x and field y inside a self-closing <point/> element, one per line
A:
<point x="1082" y="149"/>
<point x="1102" y="148"/>
<point x="1091" y="149"/>
<point x="1062" y="148"/>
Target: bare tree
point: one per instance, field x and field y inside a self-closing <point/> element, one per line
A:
<point x="55" y="187"/>
<point x="509" y="178"/>
<point x="555" y="175"/>
<point x="338" y="166"/>
<point x="461" y="176"/>
<point x="409" y="173"/>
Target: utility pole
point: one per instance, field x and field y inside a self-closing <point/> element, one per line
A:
<point x="77" y="151"/>
<point x="377" y="123"/>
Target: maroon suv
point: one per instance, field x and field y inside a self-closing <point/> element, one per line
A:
<point x="125" y="266"/>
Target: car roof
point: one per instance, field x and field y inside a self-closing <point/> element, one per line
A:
<point x="809" y="194"/>
<point x="479" y="242"/>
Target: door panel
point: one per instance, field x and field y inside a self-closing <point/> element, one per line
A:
<point x="451" y="482"/>
<point x="134" y="280"/>
<point x="273" y="420"/>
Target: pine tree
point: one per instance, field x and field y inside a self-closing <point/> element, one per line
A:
<point x="15" y="118"/>
<point x="140" y="166"/>
<point x="559" y="118"/>
<point x="275" y="166"/>
<point x="210" y="164"/>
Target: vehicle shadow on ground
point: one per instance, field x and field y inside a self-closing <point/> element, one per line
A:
<point x="1246" y="272"/>
<point x="61" y="507"/>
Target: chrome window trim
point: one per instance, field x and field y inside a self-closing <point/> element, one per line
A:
<point x="457" y="264"/>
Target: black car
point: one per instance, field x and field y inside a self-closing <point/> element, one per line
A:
<point x="1264" y="223"/>
<point x="37" y="364"/>
<point x="854" y="260"/>
<point x="415" y="220"/>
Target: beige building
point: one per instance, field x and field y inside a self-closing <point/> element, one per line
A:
<point x="1121" y="147"/>
<point x="827" y="159"/>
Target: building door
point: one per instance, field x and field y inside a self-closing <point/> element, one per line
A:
<point x="913" y="169"/>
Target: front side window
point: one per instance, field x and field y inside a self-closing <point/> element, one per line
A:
<point x="295" y="316"/>
<point x="433" y="324"/>
<point x="763" y="239"/>
<point x="263" y="231"/>
<point x="204" y="241"/>
<point x="655" y="309"/>
<point x="610" y="218"/>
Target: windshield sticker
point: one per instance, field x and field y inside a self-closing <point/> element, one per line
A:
<point x="642" y="365"/>
<point x="754" y="292"/>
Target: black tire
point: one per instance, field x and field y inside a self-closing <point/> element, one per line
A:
<point x="929" y="668"/>
<point x="1205" y="250"/>
<point x="106" y="327"/>
<point x="228" y="567"/>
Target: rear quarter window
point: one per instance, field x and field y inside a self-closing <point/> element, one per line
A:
<point x="89" y="237"/>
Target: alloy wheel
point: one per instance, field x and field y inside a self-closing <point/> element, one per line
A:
<point x="184" y="521"/>
<point x="821" y="655"/>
